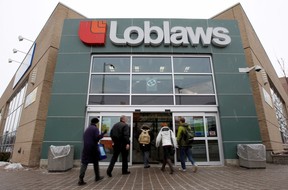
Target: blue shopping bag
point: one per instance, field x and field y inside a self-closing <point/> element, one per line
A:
<point x="102" y="152"/>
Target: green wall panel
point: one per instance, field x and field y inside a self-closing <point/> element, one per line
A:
<point x="240" y="129"/>
<point x="74" y="63"/>
<point x="67" y="105"/>
<point x="65" y="129"/>
<point x="228" y="63"/>
<point x="70" y="82"/>
<point x="72" y="44"/>
<point x="236" y="105"/>
<point x="232" y="86"/>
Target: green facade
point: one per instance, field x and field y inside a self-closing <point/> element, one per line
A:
<point x="67" y="107"/>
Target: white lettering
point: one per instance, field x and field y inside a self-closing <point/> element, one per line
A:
<point x="152" y="30"/>
<point x="176" y="36"/>
<point x="134" y="30"/>
<point x="221" y="37"/>
<point x="113" y="34"/>
<point x="179" y="36"/>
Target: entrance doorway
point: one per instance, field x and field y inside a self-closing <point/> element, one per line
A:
<point x="153" y="120"/>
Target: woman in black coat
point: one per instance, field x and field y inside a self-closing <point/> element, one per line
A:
<point x="90" y="152"/>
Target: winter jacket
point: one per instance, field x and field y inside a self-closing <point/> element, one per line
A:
<point x="120" y="134"/>
<point x="90" y="152"/>
<point x="181" y="135"/>
<point x="164" y="136"/>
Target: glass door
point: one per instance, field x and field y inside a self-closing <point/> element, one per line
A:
<point x="107" y="120"/>
<point x="207" y="147"/>
<point x="153" y="120"/>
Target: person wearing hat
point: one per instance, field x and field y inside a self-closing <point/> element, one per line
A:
<point x="146" y="147"/>
<point x="166" y="137"/>
<point x="90" y="152"/>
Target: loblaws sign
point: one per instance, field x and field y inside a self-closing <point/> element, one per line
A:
<point x="94" y="33"/>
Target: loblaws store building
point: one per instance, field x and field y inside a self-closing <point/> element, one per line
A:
<point x="214" y="72"/>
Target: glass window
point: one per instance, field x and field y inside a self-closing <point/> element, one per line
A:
<point x="192" y="65"/>
<point x="213" y="150"/>
<point x="152" y="84"/>
<point x="281" y="114"/>
<point x="211" y="126"/>
<point x="110" y="83"/>
<point x="197" y="125"/>
<point x="108" y="100"/>
<point x="195" y="100"/>
<point x="152" y="100"/>
<point x="111" y="64"/>
<point x="12" y="120"/>
<point x="151" y="64"/>
<point x="199" y="151"/>
<point x="194" y="84"/>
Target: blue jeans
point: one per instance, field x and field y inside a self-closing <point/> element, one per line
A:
<point x="186" y="151"/>
<point x="146" y="158"/>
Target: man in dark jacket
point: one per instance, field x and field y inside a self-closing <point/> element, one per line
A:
<point x="120" y="134"/>
<point x="90" y="152"/>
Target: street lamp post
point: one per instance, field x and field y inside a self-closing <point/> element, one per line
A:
<point x="103" y="80"/>
<point x="179" y="89"/>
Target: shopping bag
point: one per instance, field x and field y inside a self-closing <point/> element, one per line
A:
<point x="102" y="153"/>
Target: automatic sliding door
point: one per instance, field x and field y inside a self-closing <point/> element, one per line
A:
<point x="206" y="149"/>
<point x="107" y="120"/>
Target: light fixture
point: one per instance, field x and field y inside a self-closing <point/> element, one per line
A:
<point x="11" y="60"/>
<point x="21" y="38"/>
<point x="264" y="76"/>
<point x="16" y="50"/>
<point x="257" y="68"/>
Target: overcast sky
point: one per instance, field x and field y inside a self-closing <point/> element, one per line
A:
<point x="27" y="18"/>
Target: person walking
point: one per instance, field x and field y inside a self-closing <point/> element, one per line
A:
<point x="167" y="138"/>
<point x="145" y="144"/>
<point x="90" y="152"/>
<point x="120" y="134"/>
<point x="185" y="147"/>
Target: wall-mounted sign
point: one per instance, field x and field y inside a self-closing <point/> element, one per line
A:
<point x="25" y="65"/>
<point x="93" y="33"/>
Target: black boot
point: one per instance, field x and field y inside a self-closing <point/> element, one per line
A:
<point x="99" y="178"/>
<point x="81" y="182"/>
<point x="170" y="166"/>
<point x="163" y="166"/>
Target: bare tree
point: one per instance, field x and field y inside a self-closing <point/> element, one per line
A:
<point x="281" y="62"/>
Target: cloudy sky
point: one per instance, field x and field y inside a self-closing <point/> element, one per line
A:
<point x="28" y="17"/>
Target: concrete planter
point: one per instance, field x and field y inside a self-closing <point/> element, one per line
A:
<point x="280" y="158"/>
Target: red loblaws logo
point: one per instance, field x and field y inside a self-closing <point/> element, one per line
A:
<point x="93" y="32"/>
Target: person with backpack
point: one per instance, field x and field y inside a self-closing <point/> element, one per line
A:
<point x="184" y="139"/>
<point x="145" y="138"/>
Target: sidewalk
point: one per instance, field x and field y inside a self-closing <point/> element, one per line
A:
<point x="274" y="177"/>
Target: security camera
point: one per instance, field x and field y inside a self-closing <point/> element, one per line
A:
<point x="257" y="68"/>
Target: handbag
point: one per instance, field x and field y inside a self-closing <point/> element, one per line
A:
<point x="173" y="147"/>
<point x="102" y="152"/>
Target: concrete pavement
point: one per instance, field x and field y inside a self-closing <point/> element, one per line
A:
<point x="274" y="177"/>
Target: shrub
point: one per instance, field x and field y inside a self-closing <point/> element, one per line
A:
<point x="5" y="156"/>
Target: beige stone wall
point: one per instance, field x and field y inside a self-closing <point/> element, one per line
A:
<point x="30" y="133"/>
<point x="256" y="55"/>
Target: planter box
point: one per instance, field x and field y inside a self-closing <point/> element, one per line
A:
<point x="252" y="155"/>
<point x="60" y="164"/>
<point x="280" y="159"/>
